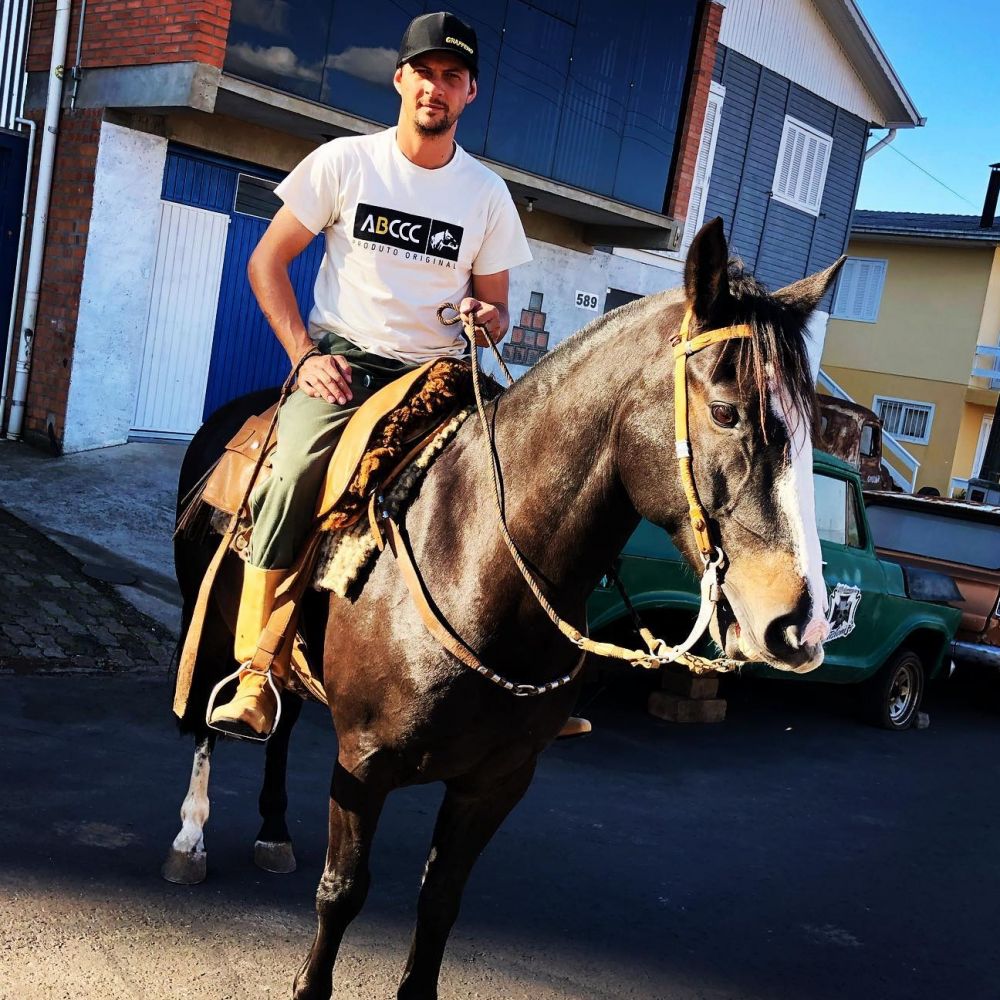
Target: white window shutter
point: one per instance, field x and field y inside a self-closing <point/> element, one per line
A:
<point x="703" y="165"/>
<point x="800" y="172"/>
<point x="859" y="290"/>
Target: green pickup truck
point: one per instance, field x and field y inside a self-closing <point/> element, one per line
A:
<point x="881" y="638"/>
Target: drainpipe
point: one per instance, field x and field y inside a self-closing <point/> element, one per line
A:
<point x="884" y="141"/>
<point x="39" y="222"/>
<point x="32" y="128"/>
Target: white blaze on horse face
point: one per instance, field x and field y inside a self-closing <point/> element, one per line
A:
<point x="797" y="500"/>
<point x="194" y="809"/>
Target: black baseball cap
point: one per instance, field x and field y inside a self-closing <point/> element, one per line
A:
<point x="441" y="32"/>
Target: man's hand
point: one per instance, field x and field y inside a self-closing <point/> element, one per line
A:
<point x="483" y="315"/>
<point x="326" y="377"/>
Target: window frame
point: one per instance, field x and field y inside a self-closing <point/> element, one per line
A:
<point x="841" y="283"/>
<point x="930" y="407"/>
<point x="853" y="507"/>
<point x="788" y="125"/>
<point x="236" y="194"/>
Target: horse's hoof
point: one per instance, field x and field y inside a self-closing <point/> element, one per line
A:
<point x="185" y="868"/>
<point x="274" y="856"/>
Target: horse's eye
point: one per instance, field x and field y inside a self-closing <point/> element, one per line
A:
<point x="724" y="414"/>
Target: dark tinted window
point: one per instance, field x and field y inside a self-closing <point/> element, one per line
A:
<point x="653" y="112"/>
<point x="362" y="51"/>
<point x="531" y="81"/>
<point x="582" y="91"/>
<point x="255" y="196"/>
<point x="281" y="44"/>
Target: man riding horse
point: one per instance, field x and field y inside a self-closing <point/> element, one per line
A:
<point x="411" y="221"/>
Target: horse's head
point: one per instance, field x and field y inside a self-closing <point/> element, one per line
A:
<point x="751" y="407"/>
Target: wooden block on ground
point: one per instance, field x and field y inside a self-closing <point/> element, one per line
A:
<point x="682" y="682"/>
<point x="673" y="708"/>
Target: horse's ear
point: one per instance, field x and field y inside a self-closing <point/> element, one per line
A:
<point x="804" y="295"/>
<point x="706" y="273"/>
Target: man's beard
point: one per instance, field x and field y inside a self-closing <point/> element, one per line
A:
<point x="438" y="127"/>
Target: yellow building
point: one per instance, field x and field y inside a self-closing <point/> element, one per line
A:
<point x="915" y="318"/>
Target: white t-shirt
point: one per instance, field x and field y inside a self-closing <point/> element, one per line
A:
<point x="401" y="240"/>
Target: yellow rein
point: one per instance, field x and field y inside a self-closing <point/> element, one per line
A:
<point x="658" y="652"/>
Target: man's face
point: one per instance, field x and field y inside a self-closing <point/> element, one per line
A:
<point x="435" y="89"/>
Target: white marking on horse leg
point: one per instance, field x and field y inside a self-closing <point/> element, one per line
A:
<point x="194" y="809"/>
<point x="797" y="499"/>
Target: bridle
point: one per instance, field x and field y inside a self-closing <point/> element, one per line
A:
<point x="658" y="652"/>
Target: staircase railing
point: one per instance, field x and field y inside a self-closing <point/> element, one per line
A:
<point x="909" y="463"/>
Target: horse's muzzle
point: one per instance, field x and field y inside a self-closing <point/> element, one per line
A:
<point x="787" y="643"/>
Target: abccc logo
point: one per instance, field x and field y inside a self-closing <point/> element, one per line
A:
<point x="415" y="233"/>
<point x="379" y="225"/>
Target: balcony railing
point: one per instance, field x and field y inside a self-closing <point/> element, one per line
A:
<point x="989" y="365"/>
<point x="909" y="463"/>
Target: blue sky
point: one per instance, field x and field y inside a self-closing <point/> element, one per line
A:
<point x="947" y="57"/>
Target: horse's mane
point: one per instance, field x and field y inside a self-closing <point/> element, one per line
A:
<point x="777" y="350"/>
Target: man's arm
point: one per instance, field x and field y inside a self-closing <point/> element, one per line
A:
<point x="487" y="306"/>
<point x="321" y="376"/>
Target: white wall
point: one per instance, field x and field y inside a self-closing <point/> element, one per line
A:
<point x="559" y="274"/>
<point x="114" y="298"/>
<point x="816" y="328"/>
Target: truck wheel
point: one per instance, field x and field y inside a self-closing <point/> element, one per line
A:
<point x="891" y="698"/>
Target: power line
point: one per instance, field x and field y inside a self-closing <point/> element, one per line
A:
<point x="932" y="177"/>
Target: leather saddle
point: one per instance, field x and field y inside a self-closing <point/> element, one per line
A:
<point x="379" y="440"/>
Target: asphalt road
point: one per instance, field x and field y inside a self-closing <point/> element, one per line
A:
<point x="789" y="853"/>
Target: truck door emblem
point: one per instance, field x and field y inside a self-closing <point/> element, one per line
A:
<point x="844" y="601"/>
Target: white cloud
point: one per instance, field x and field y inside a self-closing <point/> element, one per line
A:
<point x="267" y="15"/>
<point x="376" y="65"/>
<point x="277" y="59"/>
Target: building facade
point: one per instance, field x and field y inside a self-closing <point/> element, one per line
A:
<point x="617" y="131"/>
<point x="915" y="336"/>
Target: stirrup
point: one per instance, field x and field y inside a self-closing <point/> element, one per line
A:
<point x="240" y="730"/>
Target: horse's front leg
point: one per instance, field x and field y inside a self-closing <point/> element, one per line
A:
<point x="470" y="815"/>
<point x="272" y="850"/>
<point x="356" y="801"/>
<point x="186" y="863"/>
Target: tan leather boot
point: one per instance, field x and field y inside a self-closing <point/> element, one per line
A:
<point x="254" y="705"/>
<point x="574" y="727"/>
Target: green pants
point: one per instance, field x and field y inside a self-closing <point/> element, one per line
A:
<point x="308" y="431"/>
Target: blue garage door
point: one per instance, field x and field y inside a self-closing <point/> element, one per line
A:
<point x="246" y="355"/>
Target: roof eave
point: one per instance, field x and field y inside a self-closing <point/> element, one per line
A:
<point x="872" y="64"/>
<point x="926" y="239"/>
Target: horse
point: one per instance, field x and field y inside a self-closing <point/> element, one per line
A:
<point x="586" y="444"/>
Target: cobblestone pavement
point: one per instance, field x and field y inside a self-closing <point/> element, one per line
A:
<point x="55" y="618"/>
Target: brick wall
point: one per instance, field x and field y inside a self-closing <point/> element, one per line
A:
<point x="136" y="33"/>
<point x="62" y="273"/>
<point x="702" y="67"/>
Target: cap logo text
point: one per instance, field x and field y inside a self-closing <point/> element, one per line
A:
<point x="462" y="45"/>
